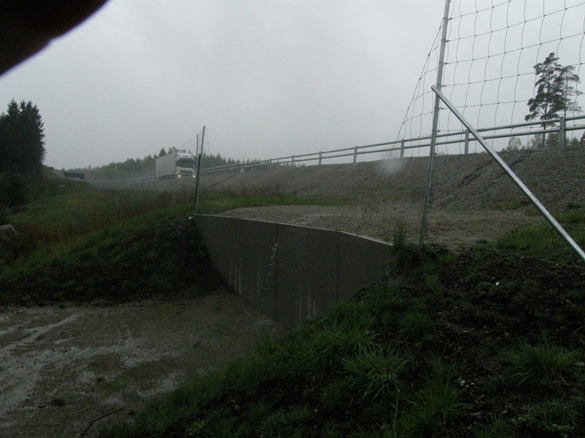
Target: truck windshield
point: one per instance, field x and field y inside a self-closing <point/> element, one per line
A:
<point x="186" y="162"/>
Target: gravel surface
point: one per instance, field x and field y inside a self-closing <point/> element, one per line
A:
<point x="461" y="182"/>
<point x="472" y="197"/>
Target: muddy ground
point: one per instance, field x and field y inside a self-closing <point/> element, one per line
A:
<point x="63" y="367"/>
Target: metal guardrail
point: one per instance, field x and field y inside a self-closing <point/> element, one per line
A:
<point x="402" y="145"/>
<point x="461" y="137"/>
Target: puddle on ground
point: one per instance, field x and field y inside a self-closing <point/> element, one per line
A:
<point x="61" y="368"/>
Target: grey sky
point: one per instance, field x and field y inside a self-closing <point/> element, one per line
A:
<point x="268" y="78"/>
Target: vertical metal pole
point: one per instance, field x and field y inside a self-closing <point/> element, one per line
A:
<point x="197" y="174"/>
<point x="466" y="142"/>
<point x="402" y="149"/>
<point x="196" y="146"/>
<point x="198" y="168"/>
<point x="320" y="157"/>
<point x="292" y="162"/>
<point x="562" y="131"/>
<point x="354" y="155"/>
<point x="439" y="84"/>
<point x="174" y="188"/>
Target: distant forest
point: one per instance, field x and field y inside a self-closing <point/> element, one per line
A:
<point x="144" y="167"/>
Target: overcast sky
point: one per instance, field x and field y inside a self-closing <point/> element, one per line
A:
<point x="267" y="78"/>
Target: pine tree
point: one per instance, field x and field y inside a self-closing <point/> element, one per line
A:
<point x="554" y="91"/>
<point x="22" y="145"/>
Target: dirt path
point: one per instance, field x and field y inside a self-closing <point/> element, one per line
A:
<point x="61" y="368"/>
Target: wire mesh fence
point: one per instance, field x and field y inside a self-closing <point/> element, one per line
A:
<point x="495" y="55"/>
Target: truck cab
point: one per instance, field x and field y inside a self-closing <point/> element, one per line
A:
<point x="185" y="165"/>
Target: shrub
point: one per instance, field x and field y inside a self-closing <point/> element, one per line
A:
<point x="14" y="190"/>
<point x="4" y="216"/>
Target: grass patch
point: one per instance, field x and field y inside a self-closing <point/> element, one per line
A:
<point x="158" y="253"/>
<point x="497" y="428"/>
<point x="374" y="376"/>
<point x="416" y="325"/>
<point x="367" y="369"/>
<point x="558" y="416"/>
<point x="434" y="407"/>
<point x="543" y="240"/>
<point x="213" y="202"/>
<point x="541" y="364"/>
<point x="432" y="353"/>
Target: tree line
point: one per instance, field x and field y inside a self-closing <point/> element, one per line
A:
<point x="144" y="167"/>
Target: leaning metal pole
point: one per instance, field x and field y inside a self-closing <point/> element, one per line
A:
<point x="198" y="171"/>
<point x="423" y="230"/>
<point x="551" y="220"/>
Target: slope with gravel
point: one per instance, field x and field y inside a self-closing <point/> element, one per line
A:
<point x="472" y="198"/>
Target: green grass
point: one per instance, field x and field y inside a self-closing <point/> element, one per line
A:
<point x="218" y="202"/>
<point x="67" y="243"/>
<point x="557" y="416"/>
<point x="541" y="365"/>
<point x="453" y="334"/>
<point x="433" y="407"/>
<point x="158" y="253"/>
<point x="543" y="240"/>
<point x="416" y="325"/>
<point x="374" y="376"/>
<point x="496" y="428"/>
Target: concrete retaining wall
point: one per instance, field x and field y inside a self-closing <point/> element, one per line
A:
<point x="292" y="273"/>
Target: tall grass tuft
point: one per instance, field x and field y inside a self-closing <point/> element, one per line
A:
<point x="497" y="428"/>
<point x="374" y="376"/>
<point x="556" y="415"/>
<point x="542" y="364"/>
<point x="326" y="350"/>
<point x="434" y="407"/>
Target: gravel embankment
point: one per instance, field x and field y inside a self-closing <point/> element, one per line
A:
<point x="472" y="197"/>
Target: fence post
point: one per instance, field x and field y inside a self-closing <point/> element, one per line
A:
<point x="562" y="131"/>
<point x="435" y="130"/>
<point x="466" y="142"/>
<point x="402" y="149"/>
<point x="199" y="169"/>
<point x="354" y="155"/>
<point x="292" y="161"/>
<point x="320" y="157"/>
<point x="225" y="169"/>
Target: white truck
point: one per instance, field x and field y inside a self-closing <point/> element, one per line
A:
<point x="177" y="164"/>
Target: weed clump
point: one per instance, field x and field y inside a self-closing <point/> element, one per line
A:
<point x="541" y="364"/>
